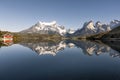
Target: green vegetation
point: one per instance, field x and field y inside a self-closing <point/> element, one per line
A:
<point x="1" y="44"/>
<point x="2" y="33"/>
<point x="34" y="37"/>
<point x="89" y="37"/>
<point x="96" y="36"/>
<point x="18" y="37"/>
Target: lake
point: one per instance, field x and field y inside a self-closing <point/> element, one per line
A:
<point x="64" y="60"/>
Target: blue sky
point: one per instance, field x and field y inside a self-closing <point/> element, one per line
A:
<point x="16" y="15"/>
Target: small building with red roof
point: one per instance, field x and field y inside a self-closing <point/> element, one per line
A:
<point x="7" y="38"/>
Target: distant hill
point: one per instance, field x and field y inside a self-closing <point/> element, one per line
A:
<point x="113" y="34"/>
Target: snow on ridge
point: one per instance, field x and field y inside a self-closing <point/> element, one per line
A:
<point x="48" y="23"/>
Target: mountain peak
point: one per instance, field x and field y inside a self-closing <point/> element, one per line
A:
<point x="90" y="25"/>
<point x="114" y="24"/>
<point x="98" y="23"/>
<point x="46" y="28"/>
<point x="71" y="31"/>
<point x="47" y="23"/>
<point x="90" y="28"/>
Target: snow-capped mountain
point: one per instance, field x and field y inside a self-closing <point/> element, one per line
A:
<point x="87" y="29"/>
<point x="101" y="27"/>
<point x="46" y="28"/>
<point x="114" y="24"/>
<point x="90" y="28"/>
<point x="70" y="31"/>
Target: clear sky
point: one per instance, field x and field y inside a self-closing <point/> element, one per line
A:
<point x="16" y="15"/>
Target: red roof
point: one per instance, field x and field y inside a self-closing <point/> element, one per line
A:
<point x="8" y="36"/>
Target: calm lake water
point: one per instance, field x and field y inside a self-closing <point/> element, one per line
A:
<point x="65" y="60"/>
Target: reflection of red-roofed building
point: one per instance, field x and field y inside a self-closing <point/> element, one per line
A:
<point x="7" y="39"/>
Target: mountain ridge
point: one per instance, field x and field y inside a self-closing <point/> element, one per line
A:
<point x="89" y="28"/>
<point x="46" y="28"/>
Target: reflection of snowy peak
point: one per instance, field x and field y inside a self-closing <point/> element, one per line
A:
<point x="45" y="48"/>
<point x="46" y="28"/>
<point x="89" y="48"/>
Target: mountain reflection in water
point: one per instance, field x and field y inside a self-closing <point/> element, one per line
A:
<point x="64" y="60"/>
<point x="43" y="48"/>
<point x="88" y="47"/>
